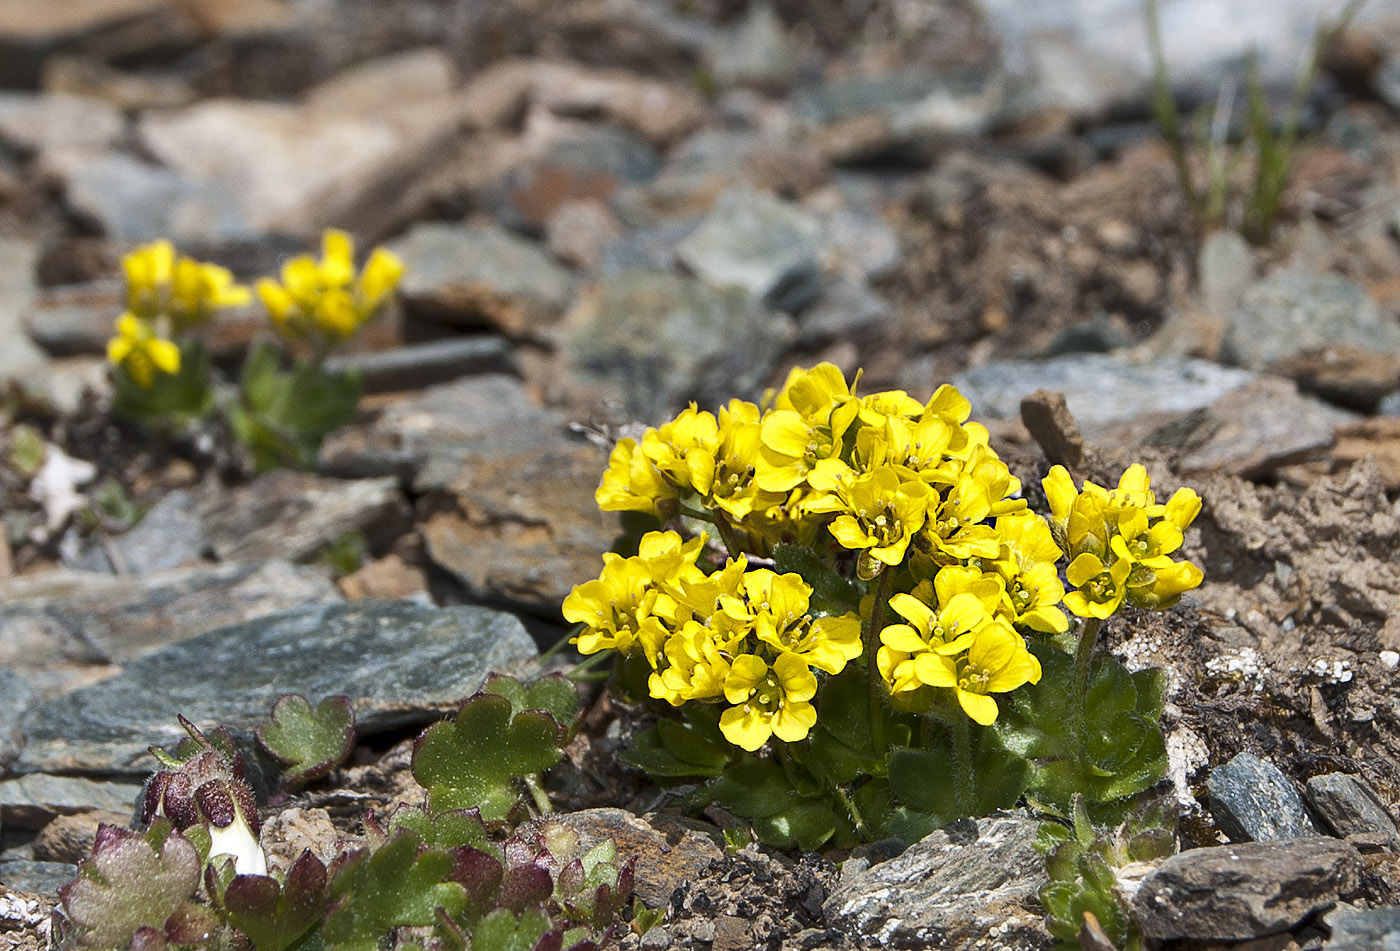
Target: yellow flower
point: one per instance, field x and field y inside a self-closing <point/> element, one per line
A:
<point x="1160" y="588"/>
<point x="161" y="284"/>
<point x="768" y="701"/>
<point x="140" y="353"/>
<point x="631" y="483"/>
<point x="813" y="393"/>
<point x="695" y="668"/>
<point x="1100" y="588"/>
<point x="1027" y="565"/>
<point x="774" y="608"/>
<point x="684" y="449"/>
<point x="878" y="513"/>
<point x="327" y="300"/>
<point x="996" y="661"/>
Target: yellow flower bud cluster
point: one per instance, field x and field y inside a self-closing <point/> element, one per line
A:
<point x="738" y="635"/>
<point x="166" y="294"/>
<point x="327" y="301"/>
<point x="906" y="496"/>
<point x="1120" y="542"/>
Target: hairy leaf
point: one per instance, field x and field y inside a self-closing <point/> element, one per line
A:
<point x="131" y="881"/>
<point x="475" y="758"/>
<point x="309" y="742"/>
<point x="400" y="884"/>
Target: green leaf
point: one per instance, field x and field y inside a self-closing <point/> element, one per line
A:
<point x="476" y="758"/>
<point x="555" y="694"/>
<point x="831" y="593"/>
<point x="1122" y="751"/>
<point x="754" y="789"/>
<point x="131" y="881"/>
<point x="310" y="743"/>
<point x="400" y="884"/>
<point x="282" y="416"/>
<point x="502" y="931"/>
<point x="805" y="825"/>
<point x="273" y="916"/>
<point x="440" y="830"/>
<point x="173" y="399"/>
<point x="925" y="781"/>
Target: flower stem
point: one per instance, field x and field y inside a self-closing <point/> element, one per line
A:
<point x="962" y="762"/>
<point x="562" y="643"/>
<point x="1083" y="656"/>
<point x="856" y="819"/>
<point x="871" y="639"/>
<point x="587" y="664"/>
<point x="731" y="541"/>
<point x="537" y="793"/>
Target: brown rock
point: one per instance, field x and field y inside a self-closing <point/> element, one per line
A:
<point x="662" y="113"/>
<point x="290" y="832"/>
<point x="1244" y="891"/>
<point x="69" y="838"/>
<point x="667" y="852"/>
<point x="1047" y="417"/>
<point x="387" y="577"/>
<point x="1379" y="438"/>
<point x="578" y="231"/>
<point x="1343" y="374"/>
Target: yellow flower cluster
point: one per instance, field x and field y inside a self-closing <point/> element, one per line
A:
<point x="1120" y="542"/>
<point x="915" y="497"/>
<point x="166" y="293"/>
<point x="738" y="635"/>
<point x="328" y="300"/>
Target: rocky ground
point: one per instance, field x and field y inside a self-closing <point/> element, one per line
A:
<point x="607" y="209"/>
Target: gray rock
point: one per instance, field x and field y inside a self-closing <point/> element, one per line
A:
<point x="1070" y="76"/>
<point x="36" y="878"/>
<point x="950" y="890"/>
<point x="1100" y="389"/>
<point x="36" y="123"/>
<point x="646" y="249"/>
<point x="415" y="366"/>
<point x="1225" y="264"/>
<point x="400" y="663"/>
<point x="428" y="439"/>
<point x="76" y="616"/>
<point x="1250" y="890"/>
<point x="168" y="536"/>
<point x="132" y="201"/>
<point x="846" y="309"/>
<point x="316" y="163"/>
<point x="30" y="30"/>
<point x="1370" y="929"/>
<point x="295" y="515"/>
<point x="667" y="853"/>
<point x="1251" y="431"/>
<point x="1099" y="334"/>
<point x="760" y="243"/>
<point x="1252" y="801"/>
<point x="755" y="51"/>
<point x="1347" y="806"/>
<point x="859" y="244"/>
<point x="902" y="117"/>
<point x="590" y="162"/>
<point x="16" y="696"/>
<point x="655" y="340"/>
<point x="32" y="801"/>
<point x="526" y="527"/>
<point x="17" y="290"/>
<point x="1293" y="311"/>
<point x="474" y="276"/>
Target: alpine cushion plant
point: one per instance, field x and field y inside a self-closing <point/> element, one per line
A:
<point x="445" y="875"/>
<point x="863" y="628"/>
<point x="161" y="373"/>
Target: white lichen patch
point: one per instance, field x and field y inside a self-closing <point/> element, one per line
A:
<point x="1243" y="666"/>
<point x="1186" y="753"/>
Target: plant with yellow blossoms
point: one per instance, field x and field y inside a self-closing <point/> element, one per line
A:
<point x="860" y="627"/>
<point x="161" y="373"/>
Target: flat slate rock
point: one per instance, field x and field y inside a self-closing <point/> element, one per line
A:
<point x="294" y="515"/>
<point x="1347" y="806"/>
<point x="399" y="662"/>
<point x="950" y="890"/>
<point x="1245" y="891"/>
<point x="1101" y="390"/>
<point x="33" y="800"/>
<point x="1252" y="800"/>
<point x="36" y="878"/>
<point x="1293" y="311"/>
<point x="1371" y="929"/>
<point x="89" y="617"/>
<point x="16" y="696"/>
